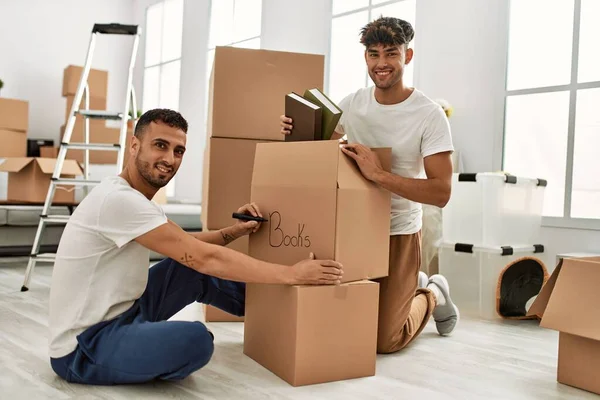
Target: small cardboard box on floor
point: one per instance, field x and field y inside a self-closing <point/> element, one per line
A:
<point x="14" y="122"/>
<point x="568" y="303"/>
<point x="29" y="179"/>
<point x="316" y="200"/>
<point x="313" y="334"/>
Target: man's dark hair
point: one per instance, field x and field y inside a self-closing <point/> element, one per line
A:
<point x="166" y="116"/>
<point x="387" y="31"/>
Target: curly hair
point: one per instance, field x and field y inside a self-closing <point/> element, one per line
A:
<point x="166" y="116"/>
<point x="387" y="31"/>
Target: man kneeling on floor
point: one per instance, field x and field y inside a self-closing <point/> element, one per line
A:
<point x="109" y="312"/>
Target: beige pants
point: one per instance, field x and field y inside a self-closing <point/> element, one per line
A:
<point x="404" y="309"/>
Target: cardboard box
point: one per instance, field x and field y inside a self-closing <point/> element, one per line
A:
<point x="14" y="114"/>
<point x="213" y="314"/>
<point x="313" y="334"/>
<point x="227" y="175"/>
<point x="48" y="152"/>
<point x="568" y="304"/>
<point x="316" y="200"/>
<point x="247" y="90"/>
<point x="14" y="143"/>
<point x="96" y="103"/>
<point x="97" y="81"/>
<point x="98" y="134"/>
<point x="29" y="179"/>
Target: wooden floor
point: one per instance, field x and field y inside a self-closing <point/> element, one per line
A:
<point x="482" y="360"/>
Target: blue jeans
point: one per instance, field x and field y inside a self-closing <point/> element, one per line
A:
<point x="140" y="345"/>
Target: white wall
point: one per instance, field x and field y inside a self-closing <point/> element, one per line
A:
<point x="461" y="53"/>
<point x="298" y="26"/>
<point x="38" y="40"/>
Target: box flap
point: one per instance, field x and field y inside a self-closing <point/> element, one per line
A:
<point x="347" y="169"/>
<point x="15" y="164"/>
<point x="572" y="307"/>
<point x="539" y="305"/>
<point x="298" y="164"/>
<point x="70" y="167"/>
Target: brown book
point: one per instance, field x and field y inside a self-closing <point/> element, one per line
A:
<point x="306" y="119"/>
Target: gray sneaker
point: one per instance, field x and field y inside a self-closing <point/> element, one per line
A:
<point x="446" y="317"/>
<point x="423" y="280"/>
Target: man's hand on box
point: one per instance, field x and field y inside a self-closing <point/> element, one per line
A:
<point x="367" y="160"/>
<point x="242" y="228"/>
<point x="316" y="272"/>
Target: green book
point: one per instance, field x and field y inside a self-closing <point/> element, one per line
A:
<point x="330" y="114"/>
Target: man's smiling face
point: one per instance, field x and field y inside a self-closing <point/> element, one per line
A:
<point x="159" y="153"/>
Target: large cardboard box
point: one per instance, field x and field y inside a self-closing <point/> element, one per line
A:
<point x="98" y="134"/>
<point x="227" y="175"/>
<point x="213" y="314"/>
<point x="568" y="303"/>
<point x="97" y="81"/>
<point x="316" y="200"/>
<point x="313" y="334"/>
<point x="29" y="179"/>
<point x="14" y="143"/>
<point x="247" y="90"/>
<point x="14" y="114"/>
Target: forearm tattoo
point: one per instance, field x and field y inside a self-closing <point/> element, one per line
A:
<point x="227" y="238"/>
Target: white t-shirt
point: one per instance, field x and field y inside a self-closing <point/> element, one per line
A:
<point x="414" y="129"/>
<point x="99" y="270"/>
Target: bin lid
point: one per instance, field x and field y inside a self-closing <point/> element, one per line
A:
<point x="500" y="250"/>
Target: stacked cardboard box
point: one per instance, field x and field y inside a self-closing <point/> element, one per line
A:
<point x="246" y="97"/>
<point x="99" y="132"/>
<point x="316" y="200"/>
<point x="14" y="122"/>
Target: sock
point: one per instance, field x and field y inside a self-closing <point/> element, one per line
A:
<point x="440" y="299"/>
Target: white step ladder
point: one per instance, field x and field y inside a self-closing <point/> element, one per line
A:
<point x="123" y="117"/>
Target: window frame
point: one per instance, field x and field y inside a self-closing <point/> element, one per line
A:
<point x="566" y="221"/>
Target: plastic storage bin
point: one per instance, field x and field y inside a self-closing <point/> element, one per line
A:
<point x="493" y="282"/>
<point x="494" y="209"/>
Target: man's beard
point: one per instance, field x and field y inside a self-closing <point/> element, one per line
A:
<point x="145" y="169"/>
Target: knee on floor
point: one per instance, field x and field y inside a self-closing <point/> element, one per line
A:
<point x="201" y="346"/>
<point x="198" y="348"/>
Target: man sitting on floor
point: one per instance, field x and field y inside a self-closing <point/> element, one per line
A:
<point x="109" y="311"/>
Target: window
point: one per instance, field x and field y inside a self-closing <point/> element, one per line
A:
<point x="347" y="69"/>
<point x="234" y="23"/>
<point x="552" y="123"/>
<point x="162" y="63"/>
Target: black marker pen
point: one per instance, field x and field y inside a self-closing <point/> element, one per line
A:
<point x="246" y="217"/>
